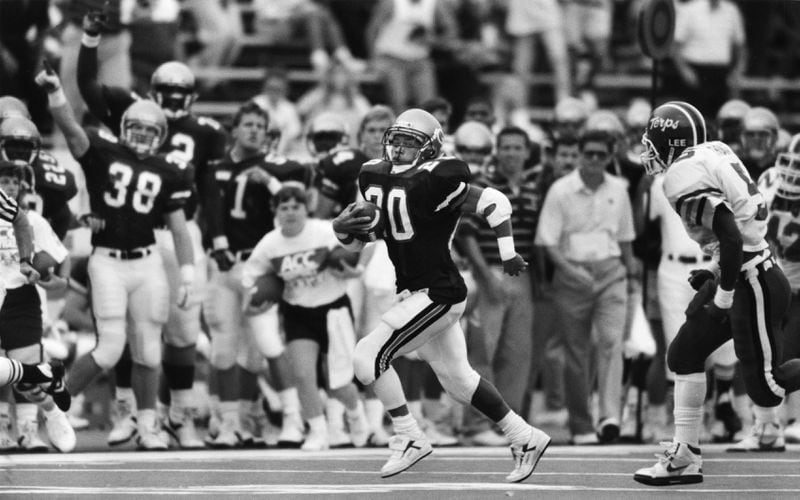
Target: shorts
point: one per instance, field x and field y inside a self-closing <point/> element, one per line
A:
<point x="21" y="318"/>
<point x="312" y="323"/>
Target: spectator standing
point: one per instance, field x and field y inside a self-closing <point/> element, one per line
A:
<point x="501" y="342"/>
<point x="283" y="115"/>
<point x="218" y="29"/>
<point x="402" y="33"/>
<point x="710" y="52"/>
<point x="587" y="24"/>
<point x="527" y="19"/>
<point x="586" y="225"/>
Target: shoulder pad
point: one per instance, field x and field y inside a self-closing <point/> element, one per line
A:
<point x="376" y="165"/>
<point x="447" y="167"/>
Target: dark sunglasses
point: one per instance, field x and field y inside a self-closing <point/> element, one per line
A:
<point x="477" y="151"/>
<point x="600" y="155"/>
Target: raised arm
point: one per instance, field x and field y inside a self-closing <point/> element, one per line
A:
<point x="77" y="140"/>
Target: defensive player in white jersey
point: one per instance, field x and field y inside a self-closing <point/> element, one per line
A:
<point x="21" y="325"/>
<point x="781" y="187"/>
<point x="743" y="294"/>
<point x="315" y="309"/>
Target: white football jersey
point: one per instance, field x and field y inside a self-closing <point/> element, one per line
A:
<point x="44" y="239"/>
<point x="783" y="226"/>
<point x="707" y="176"/>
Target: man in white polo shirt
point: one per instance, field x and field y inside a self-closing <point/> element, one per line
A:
<point x="586" y="226"/>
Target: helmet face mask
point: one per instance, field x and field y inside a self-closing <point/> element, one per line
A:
<point x="326" y="133"/>
<point x="788" y="166"/>
<point x="143" y="128"/>
<point x="414" y="138"/>
<point x="19" y="140"/>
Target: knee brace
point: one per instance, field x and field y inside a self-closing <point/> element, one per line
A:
<point x="110" y="342"/>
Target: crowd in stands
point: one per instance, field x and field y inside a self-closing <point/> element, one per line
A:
<point x="579" y="340"/>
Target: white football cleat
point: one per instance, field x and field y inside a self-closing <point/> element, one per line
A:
<point x="527" y="456"/>
<point x="680" y="463"/>
<point x="150" y="436"/>
<point x="405" y="453"/>
<point x="762" y="437"/>
<point x="316" y="441"/>
<point x="291" y="435"/>
<point x="59" y="430"/>
<point x="29" y="440"/>
<point x="7" y="442"/>
<point x="359" y="428"/>
<point x="183" y="431"/>
<point x="125" y="426"/>
<point x="792" y="432"/>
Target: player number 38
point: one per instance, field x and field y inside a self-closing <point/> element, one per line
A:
<point x="147" y="187"/>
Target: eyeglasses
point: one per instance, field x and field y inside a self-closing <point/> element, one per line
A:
<point x="600" y="155"/>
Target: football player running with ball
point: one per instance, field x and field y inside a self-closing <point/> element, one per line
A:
<point x="131" y="192"/>
<point x="744" y="294"/>
<point x="421" y="197"/>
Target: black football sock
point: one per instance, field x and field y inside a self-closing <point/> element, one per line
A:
<point x="488" y="400"/>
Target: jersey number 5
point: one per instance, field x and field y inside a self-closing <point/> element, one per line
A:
<point x="148" y="185"/>
<point x="396" y="209"/>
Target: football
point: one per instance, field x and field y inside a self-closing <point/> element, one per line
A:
<point x="44" y="263"/>
<point x="338" y="255"/>
<point x="366" y="208"/>
<point x="268" y="288"/>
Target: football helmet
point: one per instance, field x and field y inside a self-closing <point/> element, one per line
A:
<point x="11" y="106"/>
<point x="143" y="127"/>
<point x="788" y="166"/>
<point x="473" y="143"/>
<point x="759" y="133"/>
<point x="729" y="120"/>
<point x="673" y="127"/>
<point x="325" y="133"/>
<point x="19" y="140"/>
<point x="414" y="128"/>
<point x="172" y="86"/>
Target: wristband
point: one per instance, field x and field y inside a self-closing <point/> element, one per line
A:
<point x="220" y="243"/>
<point x="187" y="273"/>
<point x="57" y="98"/>
<point x="723" y="298"/>
<point x="90" y="41"/>
<point x="506" y="247"/>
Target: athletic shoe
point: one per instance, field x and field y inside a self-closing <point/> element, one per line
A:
<point x="608" y="430"/>
<point x="527" y="456"/>
<point x="125" y="427"/>
<point x="59" y="431"/>
<point x="7" y="443"/>
<point x="150" y="436"/>
<point x="57" y="388"/>
<point x="792" y="432"/>
<point x="762" y="437"/>
<point x="183" y="431"/>
<point x="337" y="437"/>
<point x="227" y="435"/>
<point x="29" y="439"/>
<point x="292" y="428"/>
<point x="681" y="463"/>
<point x="489" y="437"/>
<point x="726" y="423"/>
<point x="316" y="441"/>
<point x="359" y="427"/>
<point x="406" y="452"/>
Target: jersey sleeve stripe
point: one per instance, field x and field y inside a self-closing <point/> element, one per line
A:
<point x="8" y="207"/>
<point x="449" y="200"/>
<point x="179" y="195"/>
<point x="693" y="194"/>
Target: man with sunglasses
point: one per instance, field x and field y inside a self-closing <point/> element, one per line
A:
<point x="586" y="226"/>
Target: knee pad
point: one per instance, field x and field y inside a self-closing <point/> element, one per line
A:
<point x="110" y="342"/>
<point x="364" y="362"/>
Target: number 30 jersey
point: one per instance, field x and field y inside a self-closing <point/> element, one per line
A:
<point x="131" y="194"/>
<point x="709" y="175"/>
<point x="420" y="208"/>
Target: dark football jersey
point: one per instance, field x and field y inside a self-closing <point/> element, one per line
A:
<point x="53" y="187"/>
<point x="194" y="140"/>
<point x="245" y="215"/>
<point x="337" y="175"/>
<point x="131" y="194"/>
<point x="420" y="209"/>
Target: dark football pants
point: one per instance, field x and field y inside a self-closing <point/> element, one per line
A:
<point x="760" y="306"/>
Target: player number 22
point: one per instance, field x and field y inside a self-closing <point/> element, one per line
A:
<point x="397" y="210"/>
<point x="148" y="185"/>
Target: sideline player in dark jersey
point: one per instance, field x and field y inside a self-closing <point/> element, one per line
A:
<point x="190" y="140"/>
<point x="131" y="193"/>
<point x="50" y="185"/>
<point x="246" y="178"/>
<point x="421" y="197"/>
<point x="337" y="164"/>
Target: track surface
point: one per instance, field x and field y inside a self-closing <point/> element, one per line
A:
<point x="565" y="472"/>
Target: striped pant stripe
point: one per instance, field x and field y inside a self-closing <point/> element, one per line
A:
<point x="406" y="334"/>
<point x="760" y="293"/>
